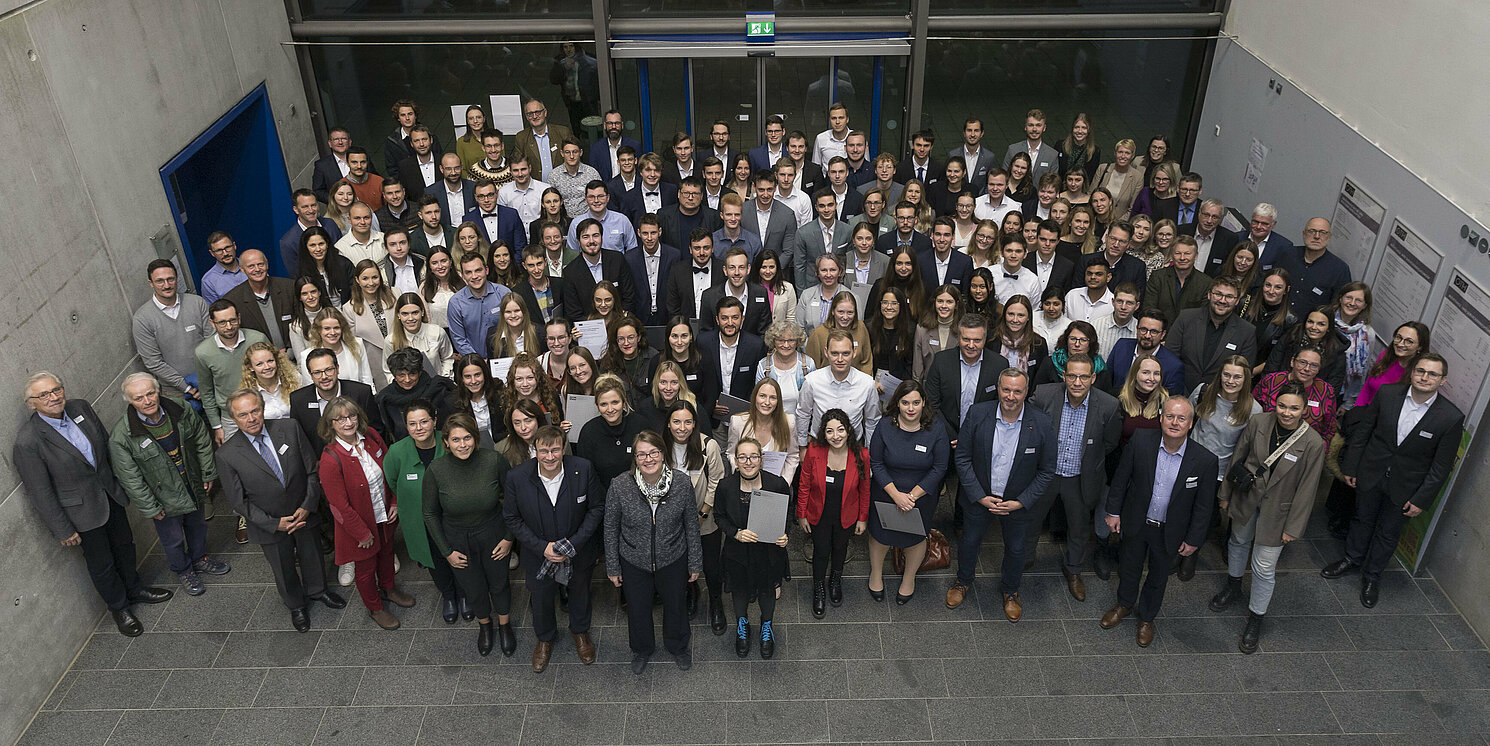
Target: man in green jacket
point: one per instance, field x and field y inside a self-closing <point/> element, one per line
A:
<point x="162" y="455"/>
<point x="404" y="467"/>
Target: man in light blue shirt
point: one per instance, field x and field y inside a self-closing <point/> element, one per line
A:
<point x="225" y="274"/>
<point x="476" y="308"/>
<point x="616" y="232"/>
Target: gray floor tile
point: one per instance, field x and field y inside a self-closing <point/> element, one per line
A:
<point x="102" y="650"/>
<point x="1284" y="672"/>
<point x="797" y="680"/>
<point x="707" y="681"/>
<point x="1308" y="594"/>
<point x="174" y="650"/>
<point x="114" y="690"/>
<point x="1456" y="632"/>
<point x="673" y="722"/>
<point x="209" y="687"/>
<point x="1289" y="714"/>
<point x="1461" y="711"/>
<point x="1383" y="712"/>
<point x="1435" y="595"/>
<point x="1087" y="637"/>
<point x="271" y="614"/>
<point x="504" y="685"/>
<point x="1197" y="634"/>
<point x="921" y="678"/>
<point x="986" y="677"/>
<point x="1181" y="715"/>
<point x="1433" y="739"/>
<point x="857" y="605"/>
<point x="1399" y="595"/>
<point x="1037" y="637"/>
<point x="832" y="641"/>
<point x="146" y="613"/>
<point x="1304" y="634"/>
<point x="471" y="725"/>
<point x="456" y="646"/>
<point x="1395" y="632"/>
<point x="407" y="685"/>
<point x="223" y="609"/>
<point x="72" y="728"/>
<point x="928" y="603"/>
<point x="1091" y="675"/>
<point x="776" y="722"/>
<point x="145" y="727"/>
<point x="363" y="725"/>
<point x="573" y="724"/>
<point x="309" y="687"/>
<point x="980" y="718"/>
<point x="276" y="649"/>
<point x="1187" y="674"/>
<point x="879" y="720"/>
<point x="1081" y="717"/>
<point x="928" y="639"/>
<point x="357" y="648"/>
<point x="59" y="692"/>
<point x="605" y="682"/>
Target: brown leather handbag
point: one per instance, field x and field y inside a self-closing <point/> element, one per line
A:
<point x="938" y="554"/>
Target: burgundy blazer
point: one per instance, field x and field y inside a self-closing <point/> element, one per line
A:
<point x="350" y="499"/>
<point x="813" y="486"/>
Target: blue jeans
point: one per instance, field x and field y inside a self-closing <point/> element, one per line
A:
<point x="976" y="522"/>
<point x="184" y="539"/>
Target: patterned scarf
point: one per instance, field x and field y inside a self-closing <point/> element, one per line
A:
<point x="1358" y="353"/>
<point x="655" y="494"/>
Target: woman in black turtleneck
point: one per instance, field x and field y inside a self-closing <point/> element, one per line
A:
<point x="1267" y="308"/>
<point x="606" y="440"/>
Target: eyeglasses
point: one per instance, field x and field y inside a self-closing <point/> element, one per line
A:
<point x="534" y="112"/>
<point x="49" y="393"/>
<point x="1306" y="365"/>
<point x="1316" y="232"/>
<point x="1079" y="377"/>
<point x="322" y="372"/>
<point x="344" y="418"/>
<point x="648" y="455"/>
<point x="1416" y="372"/>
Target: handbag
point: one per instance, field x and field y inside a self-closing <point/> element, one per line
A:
<point x="938" y="554"/>
<point x="1243" y="478"/>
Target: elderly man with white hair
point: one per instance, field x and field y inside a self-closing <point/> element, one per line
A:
<point x="1272" y="247"/>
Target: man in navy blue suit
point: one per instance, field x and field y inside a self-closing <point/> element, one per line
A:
<point x="905" y="233"/>
<point x="333" y="167"/>
<point x="943" y="265"/>
<point x="455" y="195"/>
<point x="307" y="214"/>
<point x="731" y="352"/>
<point x="1272" y="247"/>
<point x="651" y="195"/>
<point x="764" y="156"/>
<point x="650" y="266"/>
<point x="603" y="151"/>
<point x="497" y="222"/>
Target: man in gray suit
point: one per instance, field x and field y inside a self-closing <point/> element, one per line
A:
<point x="811" y="237"/>
<point x="1088" y="426"/>
<point x="62" y="456"/>
<point x="1044" y="158"/>
<point x="775" y="223"/>
<point x="268" y="474"/>
<point x="1202" y="338"/>
<point x="978" y="158"/>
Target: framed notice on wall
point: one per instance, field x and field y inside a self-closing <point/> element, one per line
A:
<point x="1356" y="224"/>
<point x="1403" y="280"/>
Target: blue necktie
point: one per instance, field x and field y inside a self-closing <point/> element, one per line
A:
<point x="262" y="444"/>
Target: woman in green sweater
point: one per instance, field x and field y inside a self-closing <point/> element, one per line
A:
<point x="463" y="513"/>
<point x="405" y="465"/>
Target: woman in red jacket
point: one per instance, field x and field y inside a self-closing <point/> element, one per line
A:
<point x="833" y="497"/>
<point x="362" y="504"/>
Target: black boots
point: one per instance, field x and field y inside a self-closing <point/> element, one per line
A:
<point x="742" y="637"/>
<point x="819" y="599"/>
<point x="1228" y="594"/>
<point x="692" y="597"/>
<point x="484" y="639"/>
<point x="835" y="588"/>
<point x="508" y="639"/>
<point x="716" y="613"/>
<point x="1250" y="634"/>
<point x="768" y="641"/>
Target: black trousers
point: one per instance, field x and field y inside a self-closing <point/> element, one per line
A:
<point x="440" y="571"/>
<point x="1145" y="543"/>
<point x="829" y="543"/>
<point x="1078" y="521"/>
<point x="109" y="552"/>
<point x="1374" y="531"/>
<point x="1340" y="504"/>
<point x="299" y="569"/>
<point x="542" y="595"/>
<point x="484" y="580"/>
<point x="714" y="562"/>
<point x="671" y="583"/>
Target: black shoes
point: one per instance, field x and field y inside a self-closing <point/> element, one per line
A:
<point x="716" y="614"/>
<point x="150" y="595"/>
<point x="508" y="639"/>
<point x="1228" y="594"/>
<point x="1339" y="569"/>
<point x="902" y="600"/>
<point x="484" y="639"/>
<point x="128" y="625"/>
<point x="448" y="610"/>
<point x="877" y="595"/>
<point x="835" y="589"/>
<point x="1370" y="589"/>
<point x="1185" y="568"/>
<point x="742" y="637"/>
<point x="768" y="641"/>
<point x="639" y="663"/>
<point x="465" y="607"/>
<point x="684" y="660"/>
<point x="331" y="599"/>
<point x="819" y="599"/>
<point x="301" y="619"/>
<point x="692" y="599"/>
<point x="1250" y="634"/>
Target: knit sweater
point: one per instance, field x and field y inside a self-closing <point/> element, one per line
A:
<point x="167" y="346"/>
<point x="463" y="493"/>
<point x="219" y="372"/>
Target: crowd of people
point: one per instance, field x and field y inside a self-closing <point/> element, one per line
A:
<point x="801" y="323"/>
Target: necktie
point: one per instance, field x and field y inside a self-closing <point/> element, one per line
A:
<point x="921" y="174"/>
<point x="262" y="444"/>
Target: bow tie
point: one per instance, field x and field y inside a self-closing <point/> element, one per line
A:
<point x="1008" y="276"/>
<point x="700" y="270"/>
<point x="649" y="194"/>
<point x="488" y="214"/>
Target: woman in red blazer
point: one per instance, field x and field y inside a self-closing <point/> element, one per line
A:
<point x="832" y="498"/>
<point x="362" y="504"/>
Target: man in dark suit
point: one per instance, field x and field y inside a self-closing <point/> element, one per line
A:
<point x="264" y="302"/>
<point x="683" y="164"/>
<point x="719" y="146"/>
<point x="1151" y="329"/>
<point x="1398" y="457"/>
<point x="688" y="281"/>
<point x="1202" y="338"/>
<point x="1213" y="244"/>
<point x="331" y="167"/>
<point x="736" y="285"/>
<point x="809" y="175"/>
<point x="778" y="231"/>
<point x="432" y="230"/>
<point x="307" y="402"/>
<point x="554" y="507"/>
<point x="1122" y="266"/>
<point x="61" y="454"/>
<point x="1187" y="209"/>
<point x="944" y="265"/>
<point x="1272" y="247"/>
<point x="421" y="170"/>
<point x="1179" y="286"/>
<point x="980" y="160"/>
<point x="539" y="284"/>
<point x="650" y="267"/>
<point x="763" y="157"/>
<point x="269" y="475"/>
<point x="593" y="265"/>
<point x="455" y="195"/>
<point x="732" y="352"/>
<point x="678" y="220"/>
<point x="652" y="195"/>
<point x="905" y="233"/>
<point x="1006" y="461"/>
<point x="497" y="222"/>
<point x="402" y="269"/>
<point x="919" y="163"/>
<point x="397" y="146"/>
<point x="1053" y="269"/>
<point x="960" y="378"/>
<point x="1087" y="424"/>
<point x="1160" y="500"/>
<point x="307" y="215"/>
<point x="603" y="154"/>
<point x="848" y="201"/>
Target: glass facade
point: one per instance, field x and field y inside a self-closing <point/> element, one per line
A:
<point x="406" y="9"/>
<point x="1043" y="7"/>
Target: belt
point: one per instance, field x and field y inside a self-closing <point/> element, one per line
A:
<point x="1152" y="522"/>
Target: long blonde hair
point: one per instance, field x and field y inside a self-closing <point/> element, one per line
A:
<point x="505" y="338"/>
<point x="284" y="370"/>
<point x="1128" y="396"/>
<point x="684" y="393"/>
<point x="348" y="338"/>
<point x="1241" y="411"/>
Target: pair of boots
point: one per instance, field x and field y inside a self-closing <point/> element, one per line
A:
<point x="1252" y="632"/>
<point x="716" y="608"/>
<point x="487" y="635"/>
<point x="742" y="638"/>
<point x="830" y="591"/>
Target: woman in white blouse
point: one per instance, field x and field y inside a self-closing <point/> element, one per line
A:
<point x="311" y="296"/>
<point x="413" y="329"/>
<point x="768" y="422"/>
<point x="329" y="329"/>
<point x="268" y="370"/>
<point x="370" y="310"/>
<point x="439" y="285"/>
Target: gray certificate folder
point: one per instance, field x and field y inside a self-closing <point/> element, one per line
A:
<point x="894" y="519"/>
<point x="767" y="519"/>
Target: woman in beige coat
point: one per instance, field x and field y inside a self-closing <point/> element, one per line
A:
<point x="1275" y="510"/>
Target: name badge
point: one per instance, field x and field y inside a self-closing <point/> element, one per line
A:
<point x="1090" y="441"/>
<point x="283" y="447"/>
<point x="285" y="317"/>
<point x="191" y="327"/>
<point x="411" y="477"/>
<point x="991" y="389"/>
<point x="581" y="498"/>
<point x="933" y="343"/>
<point x="744" y="369"/>
<point x="1290" y="457"/>
<point x="1192" y="482"/>
<point x="831" y="480"/>
<point x="691" y="377"/>
<point x="145" y="443"/>
<point x="1029" y="451"/>
<point x="628" y="449"/>
<point x="1313" y="403"/>
<point x="312" y="405"/>
<point x="1319" y="291"/>
<point x="921" y="448"/>
<point x="496" y="311"/>
<point x="1425" y="434"/>
<point x="955" y="281"/>
<point x="78" y="419"/>
<point x="761" y="299"/>
<point x="1231" y="346"/>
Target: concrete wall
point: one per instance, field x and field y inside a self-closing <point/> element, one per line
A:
<point x="98" y="96"/>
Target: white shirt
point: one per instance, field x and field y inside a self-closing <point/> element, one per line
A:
<point x="653" y="262"/>
<point x="701" y="282"/>
<point x="456" y="201"/>
<point x="1080" y="307"/>
<point x="861" y="268"/>
<point x="762" y="218"/>
<point x="427" y="170"/>
<point x="276" y="407"/>
<point x="341" y="164"/>
<point x="615" y="161"/>
<point x="404" y="279"/>
<point x="1024" y="283"/>
<point x="652" y="198"/>
<point x="1412" y="413"/>
<point x="173" y="311"/>
<point x="684" y="173"/>
<point x="528" y="202"/>
<point x="856" y="395"/>
<point x="355" y="251"/>
<point x="627" y="184"/>
<point x="942" y="265"/>
<point x="552" y="485"/>
<point x="1043" y="270"/>
<point x="984" y="209"/>
<point x="1051" y="331"/>
<point x="922" y="169"/>
<point x="797" y="201"/>
<point x="727" y="354"/>
<point x="1203" y="249"/>
<point x="438" y="239"/>
<point x="481" y="412"/>
<point x="826" y="146"/>
<point x="713" y="198"/>
<point x="372" y="472"/>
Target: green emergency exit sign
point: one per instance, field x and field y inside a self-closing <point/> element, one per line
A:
<point x="760" y="28"/>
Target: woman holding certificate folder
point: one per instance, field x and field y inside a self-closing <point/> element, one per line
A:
<point x="753" y="563"/>
<point x="908" y="456"/>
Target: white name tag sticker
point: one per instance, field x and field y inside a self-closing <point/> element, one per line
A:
<point x="285" y="317"/>
<point x="933" y="343"/>
<point x="1090" y="441"/>
<point x="759" y="300"/>
<point x="691" y="377"/>
<point x="145" y="443"/>
<point x="78" y="419"/>
<point x="495" y="311"/>
<point x="1313" y="403"/>
<point x="1192" y="481"/>
<point x="628" y="449"/>
<point x="1231" y="346"/>
<point x="283" y="447"/>
<point x="1290" y="457"/>
<point x="1425" y="434"/>
<point x="312" y="405"/>
<point x="1029" y="451"/>
<point x="955" y="281"/>
<point x="191" y="327"/>
<point x="921" y="448"/>
<point x="830" y="479"/>
<point x="991" y="389"/>
<point x="744" y="369"/>
<point x="581" y="498"/>
<point x="1319" y="291"/>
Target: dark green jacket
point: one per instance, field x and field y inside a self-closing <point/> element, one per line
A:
<point x="146" y="471"/>
<point x="405" y="474"/>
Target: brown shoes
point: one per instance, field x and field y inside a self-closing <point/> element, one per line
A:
<point x="399" y="598"/>
<point x="241" y="534"/>
<point x="384" y="619"/>
<point x="1114" y="615"/>
<point x="1145" y="634"/>
<point x="541" y="653"/>
<point x="584" y="648"/>
<point x="956" y="594"/>
<point x="1075" y="585"/>
<point x="1012" y="609"/>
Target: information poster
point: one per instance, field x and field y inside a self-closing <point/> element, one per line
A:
<point x="1461" y="333"/>
<point x="1403" y="280"/>
<point x="1356" y="225"/>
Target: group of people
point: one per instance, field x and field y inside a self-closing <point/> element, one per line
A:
<point x="795" y="325"/>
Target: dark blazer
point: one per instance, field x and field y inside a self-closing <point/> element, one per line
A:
<point x="396" y="148"/>
<point x="339" y="276"/>
<point x="680" y="286"/>
<point x="886" y="243"/>
<point x="1415" y="471"/>
<point x="1186" y="337"/>
<point x="387" y="267"/>
<point x="600" y="158"/>
<point x="419" y="245"/>
<point x="742" y="379"/>
<point x="556" y="306"/>
<point x="1120" y="359"/>
<point x="977" y="171"/>
<point x="671" y="174"/>
<point x="1277" y="247"/>
<point x="70" y="495"/>
<point x="1221" y="247"/>
<point x="1029" y="209"/>
<point x="579" y="284"/>
<point x="413" y="179"/>
<point x="325" y="173"/>
<point x="252" y="489"/>
<point x="1034" y="456"/>
<point x="1128" y="268"/>
<point x="760" y="158"/>
<point x="959" y="271"/>
<point x="633" y="207"/>
<point x="757" y="309"/>
<point x="305" y="412"/>
<point x="281" y="294"/>
<point x="289" y="243"/>
<point x="1190" y="503"/>
<point x="813" y="177"/>
<point x="535" y="522"/>
<point x="944" y="384"/>
<point x="1104" y="428"/>
<point x="509" y="227"/>
<point x="1165" y="293"/>
<point x="467" y="196"/>
<point x="936" y="170"/>
<point x="851" y="204"/>
<point x="636" y="260"/>
<point x="1062" y="272"/>
<point x="670" y="219"/>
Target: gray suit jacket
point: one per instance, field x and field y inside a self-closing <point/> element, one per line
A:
<point x="1104" y="428"/>
<point x="251" y="488"/>
<point x="809" y="246"/>
<point x="977" y="173"/>
<point x="1048" y="162"/>
<point x="780" y="232"/>
<point x="70" y="494"/>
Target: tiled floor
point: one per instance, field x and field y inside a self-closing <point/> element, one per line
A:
<point x="226" y="668"/>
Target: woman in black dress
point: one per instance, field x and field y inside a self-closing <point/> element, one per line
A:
<point x="892" y="332"/>
<point x="753" y="565"/>
<point x="908" y="457"/>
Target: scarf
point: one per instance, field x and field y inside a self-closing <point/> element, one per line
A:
<point x="1018" y="358"/>
<point x="654" y="495"/>
<point x="1358" y="353"/>
<point x="1059" y="359"/>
